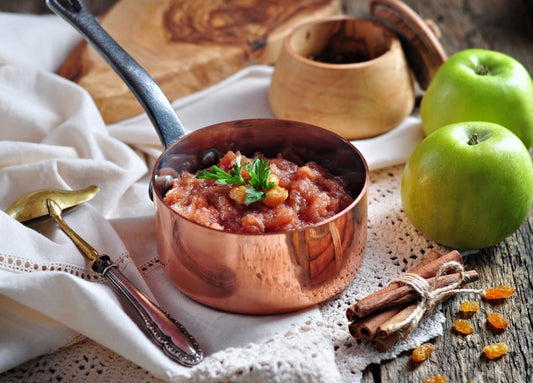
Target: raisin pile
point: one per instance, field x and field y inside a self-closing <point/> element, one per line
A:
<point x="496" y="321"/>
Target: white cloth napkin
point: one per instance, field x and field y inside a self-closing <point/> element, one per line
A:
<point x="52" y="136"/>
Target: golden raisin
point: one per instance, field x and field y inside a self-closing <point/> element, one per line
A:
<point x="495" y="350"/>
<point x="436" y="379"/>
<point x="499" y="292"/>
<point x="469" y="307"/>
<point x="238" y="194"/>
<point x="497" y="321"/>
<point x="422" y="352"/>
<point x="463" y="326"/>
<point x="273" y="178"/>
<point x="275" y="196"/>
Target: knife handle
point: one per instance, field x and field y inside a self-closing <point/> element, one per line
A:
<point x="168" y="333"/>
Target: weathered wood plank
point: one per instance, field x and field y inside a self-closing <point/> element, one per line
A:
<point x="503" y="25"/>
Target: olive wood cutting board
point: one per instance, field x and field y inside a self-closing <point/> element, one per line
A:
<point x="187" y="45"/>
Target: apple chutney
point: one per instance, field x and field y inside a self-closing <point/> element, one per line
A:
<point x="244" y="195"/>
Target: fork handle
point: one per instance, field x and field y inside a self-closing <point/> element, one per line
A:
<point x="168" y="333"/>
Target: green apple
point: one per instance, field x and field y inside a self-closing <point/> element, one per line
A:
<point x="468" y="185"/>
<point x="480" y="85"/>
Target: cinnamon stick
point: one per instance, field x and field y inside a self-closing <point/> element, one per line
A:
<point x="368" y="327"/>
<point x="388" y="296"/>
<point x="383" y="344"/>
<point x="431" y="256"/>
<point x="389" y="326"/>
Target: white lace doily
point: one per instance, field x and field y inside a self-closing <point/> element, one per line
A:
<point x="320" y="351"/>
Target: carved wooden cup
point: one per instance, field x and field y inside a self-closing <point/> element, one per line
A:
<point x="347" y="75"/>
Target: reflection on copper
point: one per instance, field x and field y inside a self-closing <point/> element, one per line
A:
<point x="273" y="272"/>
<point x="211" y="272"/>
<point x="195" y="265"/>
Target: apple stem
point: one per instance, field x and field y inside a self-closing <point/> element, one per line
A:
<point x="473" y="139"/>
<point x="482" y="70"/>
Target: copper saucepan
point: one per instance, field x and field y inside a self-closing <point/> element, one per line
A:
<point x="244" y="273"/>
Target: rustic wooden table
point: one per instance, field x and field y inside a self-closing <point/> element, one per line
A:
<point x="506" y="26"/>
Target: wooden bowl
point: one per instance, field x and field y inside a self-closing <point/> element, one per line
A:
<point x="347" y="75"/>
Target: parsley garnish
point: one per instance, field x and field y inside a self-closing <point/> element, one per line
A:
<point x="259" y="173"/>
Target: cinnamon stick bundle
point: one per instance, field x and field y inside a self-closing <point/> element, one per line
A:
<point x="379" y="316"/>
<point x="385" y="297"/>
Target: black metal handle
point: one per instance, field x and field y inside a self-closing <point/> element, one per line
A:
<point x="148" y="93"/>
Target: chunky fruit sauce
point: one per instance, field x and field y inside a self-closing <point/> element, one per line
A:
<point x="314" y="195"/>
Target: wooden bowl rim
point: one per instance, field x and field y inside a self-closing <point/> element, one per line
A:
<point x="393" y="46"/>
